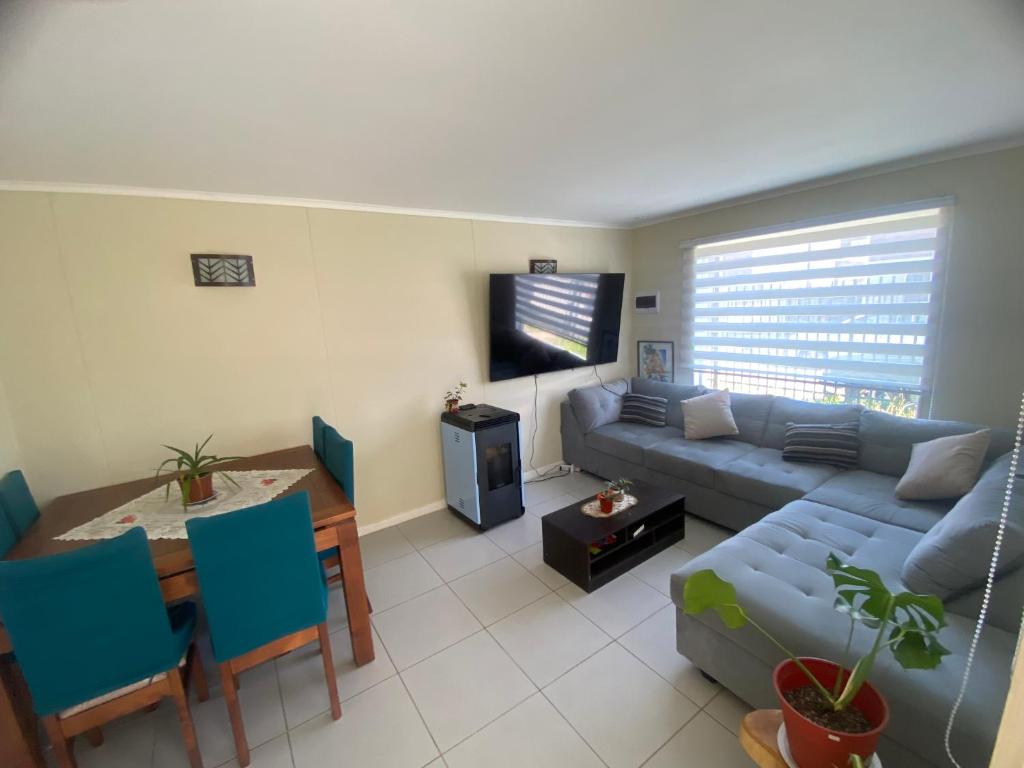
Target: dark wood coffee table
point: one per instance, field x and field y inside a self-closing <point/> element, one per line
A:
<point x="591" y="551"/>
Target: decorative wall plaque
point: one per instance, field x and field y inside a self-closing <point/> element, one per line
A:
<point x="543" y="266"/>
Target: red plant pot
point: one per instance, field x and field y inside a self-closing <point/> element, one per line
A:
<point x="606" y="504"/>
<point x="814" y="746"/>
<point x="200" y="489"/>
<point x="452" y="406"/>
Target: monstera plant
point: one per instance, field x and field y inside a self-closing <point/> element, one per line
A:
<point x="833" y="716"/>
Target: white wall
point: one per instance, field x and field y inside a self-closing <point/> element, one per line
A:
<point x="109" y="349"/>
<point x="980" y="359"/>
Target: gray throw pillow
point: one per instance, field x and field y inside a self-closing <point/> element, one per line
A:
<point x="836" y="445"/>
<point x="644" y="409"/>
<point x="598" y="405"/>
<point x="954" y="555"/>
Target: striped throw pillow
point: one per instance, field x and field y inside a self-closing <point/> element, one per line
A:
<point x="834" y="444"/>
<point x="644" y="409"/>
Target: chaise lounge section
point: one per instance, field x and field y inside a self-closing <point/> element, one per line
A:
<point x="789" y="516"/>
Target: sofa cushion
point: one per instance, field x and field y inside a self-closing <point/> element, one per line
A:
<point x="643" y="409"/>
<point x="944" y="468"/>
<point x="694" y="460"/>
<point x="786" y="409"/>
<point x="627" y="441"/>
<point x="873" y="496"/>
<point x="673" y="393"/>
<point x="886" y="441"/>
<point x="762" y="476"/>
<point x="954" y="555"/>
<point x="598" y="405"/>
<point x="835" y="445"/>
<point x="707" y="416"/>
<point x="751" y="415"/>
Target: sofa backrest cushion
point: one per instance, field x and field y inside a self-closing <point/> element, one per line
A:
<point x="751" y="415"/>
<point x="786" y="410"/>
<point x="598" y="405"/>
<point x="673" y="393"/>
<point x="954" y="555"/>
<point x="886" y="441"/>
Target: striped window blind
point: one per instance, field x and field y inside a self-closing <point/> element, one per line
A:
<point x="842" y="312"/>
<point x="557" y="309"/>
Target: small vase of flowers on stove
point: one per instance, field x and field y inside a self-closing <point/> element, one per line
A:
<point x="614" y="492"/>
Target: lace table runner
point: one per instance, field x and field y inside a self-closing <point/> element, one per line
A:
<point x="164" y="518"/>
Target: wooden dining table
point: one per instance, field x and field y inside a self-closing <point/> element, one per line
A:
<point x="334" y="525"/>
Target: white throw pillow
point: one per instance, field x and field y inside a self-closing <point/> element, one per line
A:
<point x="944" y="468"/>
<point x="708" y="415"/>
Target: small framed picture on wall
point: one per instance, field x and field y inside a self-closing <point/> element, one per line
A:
<point x="656" y="360"/>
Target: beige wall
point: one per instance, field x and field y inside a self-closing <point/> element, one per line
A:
<point x="110" y="350"/>
<point x="980" y="357"/>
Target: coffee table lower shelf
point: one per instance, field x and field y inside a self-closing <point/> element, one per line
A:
<point x="656" y="522"/>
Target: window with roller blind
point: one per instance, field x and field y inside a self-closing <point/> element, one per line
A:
<point x="843" y="312"/>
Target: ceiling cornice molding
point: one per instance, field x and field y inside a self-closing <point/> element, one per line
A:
<point x="880" y="169"/>
<point x="71" y="188"/>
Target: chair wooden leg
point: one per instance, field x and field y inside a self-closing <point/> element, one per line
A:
<point x="332" y="679"/>
<point x="227" y="681"/>
<point x="197" y="675"/>
<point x="62" y="749"/>
<point x="95" y="737"/>
<point x="151" y="708"/>
<point x="188" y="731"/>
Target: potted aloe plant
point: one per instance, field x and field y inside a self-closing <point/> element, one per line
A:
<point x="454" y="396"/>
<point x="195" y="472"/>
<point x="834" y="716"/>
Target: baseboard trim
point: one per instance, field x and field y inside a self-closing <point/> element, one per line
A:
<point x="402" y="517"/>
<point x="434" y="506"/>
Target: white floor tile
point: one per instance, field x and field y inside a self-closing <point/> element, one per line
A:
<point x="702" y="535"/>
<point x="548" y="638"/>
<point x="623" y="710"/>
<point x="399" y="580"/>
<point x="654" y="643"/>
<point x="464" y="687"/>
<point x="276" y="753"/>
<point x="304" y="688"/>
<point x="434" y="527"/>
<point x="380" y="727"/>
<point x="656" y="571"/>
<point x="533" y="734"/>
<point x="383" y="546"/>
<point x="618" y="606"/>
<point x="545" y="490"/>
<point x="703" y="742"/>
<point x="516" y="534"/>
<point x="260" y="702"/>
<point x="496" y="590"/>
<point x="532" y="558"/>
<point x="337" y="613"/>
<point x="553" y="504"/>
<point x="414" y="630"/>
<point x="728" y="709"/>
<point x="459" y="556"/>
<point x="584" y="484"/>
<point x="127" y="743"/>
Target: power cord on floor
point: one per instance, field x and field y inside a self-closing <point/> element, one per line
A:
<point x="540" y="476"/>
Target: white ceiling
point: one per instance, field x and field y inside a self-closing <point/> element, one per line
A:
<point x="588" y="110"/>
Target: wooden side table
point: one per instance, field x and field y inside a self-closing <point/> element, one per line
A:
<point x="759" y="737"/>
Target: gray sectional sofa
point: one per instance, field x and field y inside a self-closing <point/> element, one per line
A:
<point x="790" y="516"/>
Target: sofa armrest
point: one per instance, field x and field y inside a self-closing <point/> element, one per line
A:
<point x="572" y="435"/>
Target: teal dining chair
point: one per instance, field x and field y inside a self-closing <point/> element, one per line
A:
<point x="17" y="502"/>
<point x="339" y="458"/>
<point x="8" y="536"/>
<point x="319" y="425"/>
<point x="264" y="593"/>
<point x="95" y="641"/>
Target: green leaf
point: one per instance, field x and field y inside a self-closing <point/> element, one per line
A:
<point x="927" y="609"/>
<point x="704" y="590"/>
<point x="918" y="651"/>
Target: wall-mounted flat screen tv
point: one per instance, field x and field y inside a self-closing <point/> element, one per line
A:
<point x="544" y="323"/>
